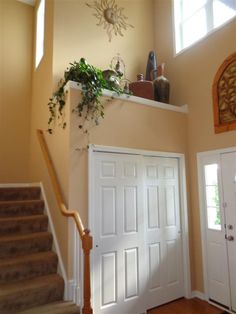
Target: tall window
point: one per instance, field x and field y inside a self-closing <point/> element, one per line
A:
<point x="40" y="32"/>
<point x="194" y="19"/>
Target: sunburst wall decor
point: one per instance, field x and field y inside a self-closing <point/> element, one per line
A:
<point x="110" y="16"/>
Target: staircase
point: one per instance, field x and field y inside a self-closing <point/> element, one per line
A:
<point x="29" y="283"/>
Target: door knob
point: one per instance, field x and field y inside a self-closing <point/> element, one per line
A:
<point x="230" y="238"/>
<point x="230" y="227"/>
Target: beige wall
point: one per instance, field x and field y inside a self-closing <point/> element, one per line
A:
<point x="41" y="91"/>
<point x="191" y="76"/>
<point x="71" y="33"/>
<point x="126" y="124"/>
<point x="76" y="35"/>
<point x="16" y="34"/>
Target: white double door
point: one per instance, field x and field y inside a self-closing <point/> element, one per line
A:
<point x="220" y="227"/>
<point x="137" y="256"/>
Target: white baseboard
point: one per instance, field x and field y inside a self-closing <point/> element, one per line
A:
<point x="198" y="294"/>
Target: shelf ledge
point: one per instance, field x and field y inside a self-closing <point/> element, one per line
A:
<point x="137" y="100"/>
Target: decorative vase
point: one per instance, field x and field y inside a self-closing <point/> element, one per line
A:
<point x="142" y="88"/>
<point x="161" y="85"/>
<point x="151" y="67"/>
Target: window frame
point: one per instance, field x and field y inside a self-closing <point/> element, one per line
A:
<point x="209" y="33"/>
<point x="37" y="60"/>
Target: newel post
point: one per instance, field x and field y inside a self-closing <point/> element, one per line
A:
<point x="87" y="244"/>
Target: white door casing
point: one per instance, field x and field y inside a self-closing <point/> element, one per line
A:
<point x="121" y="239"/>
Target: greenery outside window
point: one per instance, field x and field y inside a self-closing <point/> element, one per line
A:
<point x="194" y="19"/>
<point x="212" y="196"/>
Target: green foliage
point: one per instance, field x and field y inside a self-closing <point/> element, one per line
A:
<point x="217" y="203"/>
<point x="90" y="108"/>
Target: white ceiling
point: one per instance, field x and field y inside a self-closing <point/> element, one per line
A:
<point x="30" y="2"/>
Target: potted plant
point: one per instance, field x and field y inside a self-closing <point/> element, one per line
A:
<point x="90" y="108"/>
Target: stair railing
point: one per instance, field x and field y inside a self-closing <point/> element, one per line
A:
<point x="87" y="240"/>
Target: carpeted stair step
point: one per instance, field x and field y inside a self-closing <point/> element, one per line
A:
<point x="27" y="266"/>
<point x="20" y="193"/>
<point x="21" y="208"/>
<point x="54" y="308"/>
<point x="17" y="245"/>
<point x="25" y="294"/>
<point x="23" y="225"/>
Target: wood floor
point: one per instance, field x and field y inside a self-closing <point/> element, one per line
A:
<point x="183" y="306"/>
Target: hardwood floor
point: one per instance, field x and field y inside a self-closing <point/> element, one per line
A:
<point x="184" y="306"/>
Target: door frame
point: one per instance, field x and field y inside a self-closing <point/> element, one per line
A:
<point x="214" y="154"/>
<point x="183" y="199"/>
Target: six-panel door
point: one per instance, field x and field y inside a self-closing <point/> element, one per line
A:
<point x="137" y="259"/>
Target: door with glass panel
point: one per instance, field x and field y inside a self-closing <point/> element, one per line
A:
<point x="219" y="197"/>
<point x="216" y="250"/>
<point x="228" y="166"/>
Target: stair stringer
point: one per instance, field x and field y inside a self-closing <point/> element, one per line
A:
<point x="55" y="246"/>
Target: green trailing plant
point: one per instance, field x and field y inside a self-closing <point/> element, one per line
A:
<point x="90" y="108"/>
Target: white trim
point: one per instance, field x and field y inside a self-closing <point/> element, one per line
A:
<point x="183" y="199"/>
<point x="198" y="294"/>
<point x="217" y="151"/>
<point x="220" y="307"/>
<point x="202" y="221"/>
<point x="132" y="151"/>
<point x="137" y="100"/>
<point x="61" y="268"/>
<point x="71" y="287"/>
<point x="184" y="224"/>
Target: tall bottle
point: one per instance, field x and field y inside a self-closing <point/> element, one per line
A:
<point x="161" y="86"/>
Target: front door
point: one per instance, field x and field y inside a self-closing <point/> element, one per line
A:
<point x="219" y="199"/>
<point x="228" y="166"/>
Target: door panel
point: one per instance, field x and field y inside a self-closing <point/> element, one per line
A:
<point x="216" y="251"/>
<point x="163" y="238"/>
<point x="228" y="162"/>
<point x="119" y="257"/>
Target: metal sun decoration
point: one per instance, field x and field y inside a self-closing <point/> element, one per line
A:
<point x="110" y="16"/>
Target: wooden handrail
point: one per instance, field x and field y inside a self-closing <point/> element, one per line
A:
<point x="87" y="240"/>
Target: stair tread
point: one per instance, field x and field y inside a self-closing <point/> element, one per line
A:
<point x="23" y="218"/>
<point x="20" y="193"/>
<point x="29" y="284"/>
<point x="19" y="237"/>
<point x="56" y="307"/>
<point x="21" y="208"/>
<point x="27" y="258"/>
<point x="20" y="202"/>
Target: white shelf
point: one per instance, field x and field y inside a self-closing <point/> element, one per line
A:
<point x="137" y="100"/>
